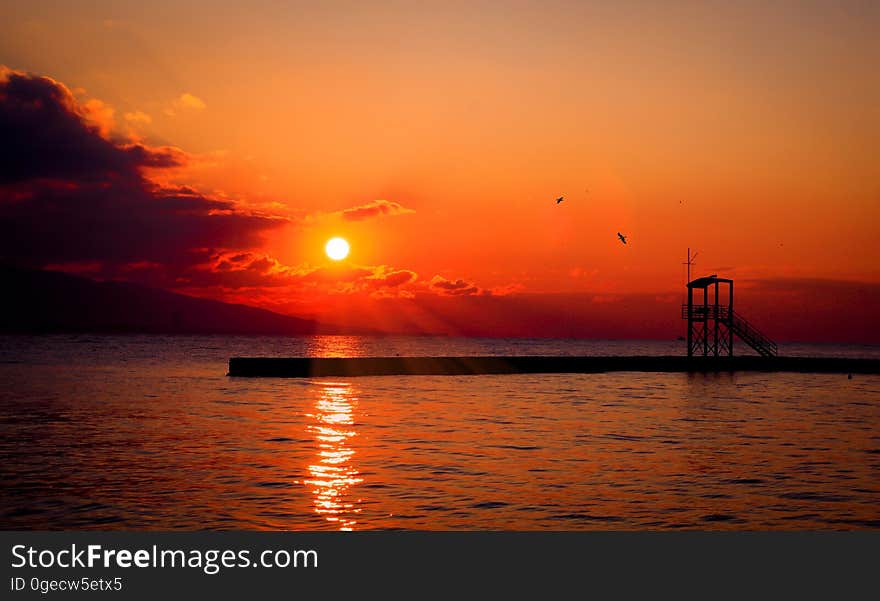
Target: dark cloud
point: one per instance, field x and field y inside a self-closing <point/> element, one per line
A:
<point x="385" y="277"/>
<point x="822" y="289"/>
<point x="237" y="270"/>
<point x="812" y="308"/>
<point x="70" y="195"/>
<point x="376" y="208"/>
<point x="162" y="157"/>
<point x="453" y="287"/>
<point x="44" y="133"/>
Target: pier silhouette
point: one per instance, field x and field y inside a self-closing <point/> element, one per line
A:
<point x="313" y="367"/>
<point x="711" y="330"/>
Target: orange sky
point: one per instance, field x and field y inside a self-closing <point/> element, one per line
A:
<point x="746" y="132"/>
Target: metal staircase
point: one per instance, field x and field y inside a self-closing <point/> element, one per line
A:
<point x="752" y="336"/>
<point x="738" y="324"/>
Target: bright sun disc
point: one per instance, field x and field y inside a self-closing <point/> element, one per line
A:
<point x="337" y="249"/>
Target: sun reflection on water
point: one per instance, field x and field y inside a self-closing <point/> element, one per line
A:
<point x="333" y="473"/>
<point x="335" y="346"/>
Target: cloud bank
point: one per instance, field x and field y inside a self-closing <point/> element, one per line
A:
<point x="71" y="194"/>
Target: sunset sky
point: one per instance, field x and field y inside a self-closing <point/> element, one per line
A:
<point x="214" y="148"/>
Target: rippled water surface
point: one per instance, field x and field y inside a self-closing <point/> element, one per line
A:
<point x="149" y="433"/>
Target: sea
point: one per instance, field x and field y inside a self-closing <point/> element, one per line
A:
<point x="149" y="433"/>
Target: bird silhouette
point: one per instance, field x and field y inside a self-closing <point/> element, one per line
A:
<point x="622" y="237"/>
<point x="560" y="199"/>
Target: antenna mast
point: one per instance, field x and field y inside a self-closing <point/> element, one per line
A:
<point x="689" y="262"/>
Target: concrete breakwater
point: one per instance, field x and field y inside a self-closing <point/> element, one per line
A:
<point x="309" y="367"/>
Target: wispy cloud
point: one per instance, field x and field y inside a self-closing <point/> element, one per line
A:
<point x="373" y="209"/>
<point x="185" y="102"/>
<point x="138" y="117"/>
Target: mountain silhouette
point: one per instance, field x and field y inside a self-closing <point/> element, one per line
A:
<point x="36" y="301"/>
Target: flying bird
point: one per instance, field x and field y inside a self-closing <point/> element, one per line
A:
<point x="560" y="199"/>
<point x="622" y="237"/>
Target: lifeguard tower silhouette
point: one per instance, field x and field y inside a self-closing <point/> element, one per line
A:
<point x="711" y="326"/>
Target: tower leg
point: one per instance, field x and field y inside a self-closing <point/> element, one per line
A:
<point x="690" y="322"/>
<point x="705" y="322"/>
<point x="715" y="319"/>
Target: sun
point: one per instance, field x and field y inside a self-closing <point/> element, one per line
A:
<point x="337" y="248"/>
